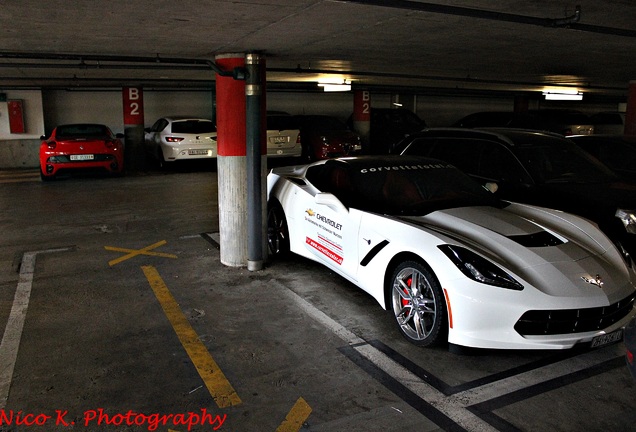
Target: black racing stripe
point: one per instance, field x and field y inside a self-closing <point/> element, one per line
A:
<point x="373" y="252"/>
<point x="401" y="391"/>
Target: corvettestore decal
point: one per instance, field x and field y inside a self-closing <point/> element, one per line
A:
<point x="405" y="168"/>
<point x="327" y="239"/>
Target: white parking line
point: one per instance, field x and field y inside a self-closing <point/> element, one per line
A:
<point x="455" y="407"/>
<point x="537" y="376"/>
<point x="13" y="331"/>
<point x="456" y="412"/>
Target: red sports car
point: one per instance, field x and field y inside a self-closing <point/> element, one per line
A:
<point x="75" y="147"/>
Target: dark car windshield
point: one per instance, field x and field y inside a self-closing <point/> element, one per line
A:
<point x="82" y="131"/>
<point x="556" y="161"/>
<point x="324" y="123"/>
<point x="281" y="122"/>
<point x="193" y="127"/>
<point x="401" y="188"/>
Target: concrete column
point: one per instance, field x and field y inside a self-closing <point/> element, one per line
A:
<point x="231" y="162"/>
<point x="134" y="151"/>
<point x="362" y="117"/>
<point x="630" y="113"/>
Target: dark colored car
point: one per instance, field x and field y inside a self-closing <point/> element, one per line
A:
<point x="608" y="122"/>
<point x="501" y="119"/>
<point x="564" y="121"/>
<point x="80" y="147"/>
<point x="616" y="151"/>
<point x="629" y="338"/>
<point x="388" y="126"/>
<point x="326" y="137"/>
<point x="561" y="121"/>
<point x="538" y="168"/>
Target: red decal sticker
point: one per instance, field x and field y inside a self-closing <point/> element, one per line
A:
<point x="325" y="251"/>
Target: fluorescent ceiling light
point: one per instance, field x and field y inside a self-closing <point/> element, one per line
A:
<point x="563" y="94"/>
<point x="335" y="85"/>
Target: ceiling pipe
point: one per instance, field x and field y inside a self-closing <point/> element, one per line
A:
<point x="570" y="22"/>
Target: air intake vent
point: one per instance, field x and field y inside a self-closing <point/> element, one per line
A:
<point x="540" y="239"/>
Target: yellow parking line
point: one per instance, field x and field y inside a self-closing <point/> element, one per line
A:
<point x="134" y="252"/>
<point x="296" y="417"/>
<point x="219" y="387"/>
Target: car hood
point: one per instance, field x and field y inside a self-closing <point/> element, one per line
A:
<point x="553" y="254"/>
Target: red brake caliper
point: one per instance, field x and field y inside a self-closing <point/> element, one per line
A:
<point x="405" y="302"/>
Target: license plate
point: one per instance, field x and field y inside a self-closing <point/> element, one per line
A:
<point x="197" y="152"/>
<point x="606" y="339"/>
<point x="279" y="139"/>
<point x="81" y="157"/>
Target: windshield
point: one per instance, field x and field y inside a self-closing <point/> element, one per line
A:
<point x="406" y="188"/>
<point x="82" y="131"/>
<point x="558" y="161"/>
<point x="193" y="127"/>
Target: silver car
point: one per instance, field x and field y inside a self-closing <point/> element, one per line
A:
<point x="172" y="139"/>
<point x="283" y="135"/>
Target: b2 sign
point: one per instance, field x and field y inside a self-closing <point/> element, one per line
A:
<point x="133" y="98"/>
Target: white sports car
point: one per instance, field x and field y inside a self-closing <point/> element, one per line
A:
<point x="450" y="261"/>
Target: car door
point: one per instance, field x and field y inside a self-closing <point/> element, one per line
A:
<point x="331" y="232"/>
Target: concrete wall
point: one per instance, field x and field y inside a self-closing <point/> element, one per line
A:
<point x="46" y="109"/>
<point x="21" y="150"/>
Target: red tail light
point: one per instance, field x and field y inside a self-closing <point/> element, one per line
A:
<point x="298" y="139"/>
<point x="110" y="143"/>
<point x="630" y="357"/>
<point x="174" y="139"/>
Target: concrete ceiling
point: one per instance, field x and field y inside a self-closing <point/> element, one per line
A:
<point x="446" y="45"/>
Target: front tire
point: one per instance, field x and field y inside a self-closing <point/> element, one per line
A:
<point x="418" y="305"/>
<point x="277" y="230"/>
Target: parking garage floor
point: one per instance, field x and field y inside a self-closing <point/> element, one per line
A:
<point x="117" y="315"/>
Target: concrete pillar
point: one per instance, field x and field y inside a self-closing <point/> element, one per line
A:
<point x="630" y="112"/>
<point x="134" y="150"/>
<point x="362" y="117"/>
<point x="231" y="162"/>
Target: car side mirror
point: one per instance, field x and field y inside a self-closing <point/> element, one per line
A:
<point x="43" y="137"/>
<point x="119" y="135"/>
<point x="330" y="200"/>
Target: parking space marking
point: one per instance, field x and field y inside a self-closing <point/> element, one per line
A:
<point x="131" y="253"/>
<point x="296" y="417"/>
<point x="450" y="418"/>
<point x="15" y="324"/>
<point x="217" y="384"/>
<point x="468" y="405"/>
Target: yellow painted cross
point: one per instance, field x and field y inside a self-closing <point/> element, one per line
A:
<point x="130" y="253"/>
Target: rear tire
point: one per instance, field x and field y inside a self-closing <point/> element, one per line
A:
<point x="46" y="178"/>
<point x="417" y="304"/>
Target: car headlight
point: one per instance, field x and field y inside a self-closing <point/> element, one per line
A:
<point x="628" y="217"/>
<point x="479" y="269"/>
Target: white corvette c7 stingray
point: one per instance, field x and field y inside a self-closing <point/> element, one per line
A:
<point x="450" y="261"/>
